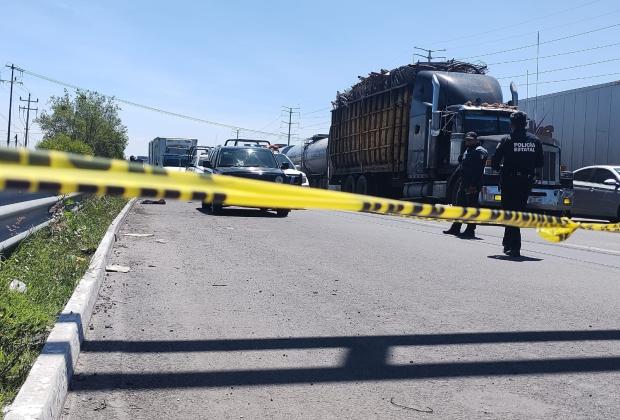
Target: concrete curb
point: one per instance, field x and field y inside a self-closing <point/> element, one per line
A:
<point x="43" y="394"/>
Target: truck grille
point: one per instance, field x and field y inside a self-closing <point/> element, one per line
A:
<point x="550" y="172"/>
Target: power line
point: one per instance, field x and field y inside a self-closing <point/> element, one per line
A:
<point x="317" y="110"/>
<point x="562" y="68"/>
<point x="503" y="28"/>
<point x="555" y="55"/>
<point x="546" y="29"/>
<point x="570" y="80"/>
<point x="149" y="108"/>
<point x="542" y="43"/>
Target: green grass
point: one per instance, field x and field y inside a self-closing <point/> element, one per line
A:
<point x="51" y="262"/>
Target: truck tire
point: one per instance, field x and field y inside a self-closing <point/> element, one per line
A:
<point x="282" y="212"/>
<point x="362" y="184"/>
<point x="349" y="184"/>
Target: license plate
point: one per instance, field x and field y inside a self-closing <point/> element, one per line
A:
<point x="536" y="200"/>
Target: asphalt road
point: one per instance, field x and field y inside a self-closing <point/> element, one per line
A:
<point x="342" y="315"/>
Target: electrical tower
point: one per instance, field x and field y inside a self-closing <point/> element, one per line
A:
<point x="290" y="110"/>
<point x="27" y="109"/>
<point x="429" y="54"/>
<point x="12" y="82"/>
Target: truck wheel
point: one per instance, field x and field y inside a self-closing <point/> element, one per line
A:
<point x="205" y="206"/>
<point x="282" y="212"/>
<point x="349" y="184"/>
<point x="361" y="186"/>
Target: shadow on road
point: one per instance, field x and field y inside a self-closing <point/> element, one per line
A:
<point x="366" y="360"/>
<point x="522" y="258"/>
<point x="240" y="212"/>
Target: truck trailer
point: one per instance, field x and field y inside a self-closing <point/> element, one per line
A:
<point x="583" y="121"/>
<point x="170" y="152"/>
<point x="400" y="133"/>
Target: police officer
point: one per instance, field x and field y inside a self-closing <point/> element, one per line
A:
<point x="517" y="157"/>
<point x="472" y="165"/>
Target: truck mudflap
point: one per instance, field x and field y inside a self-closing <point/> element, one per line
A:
<point x="556" y="200"/>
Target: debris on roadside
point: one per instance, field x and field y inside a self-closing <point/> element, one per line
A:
<point x="18" y="286"/>
<point x="115" y="268"/>
<point x="161" y="201"/>
<point x="161" y="241"/>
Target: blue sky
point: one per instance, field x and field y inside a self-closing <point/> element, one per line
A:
<point x="238" y="62"/>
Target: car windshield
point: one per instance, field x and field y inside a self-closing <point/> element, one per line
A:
<point x="247" y="157"/>
<point x="178" y="161"/>
<point x="284" y="159"/>
<point x="485" y="124"/>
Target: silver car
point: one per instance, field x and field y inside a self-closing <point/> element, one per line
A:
<point x="597" y="192"/>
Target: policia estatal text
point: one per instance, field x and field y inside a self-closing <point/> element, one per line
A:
<point x="517" y="157"/>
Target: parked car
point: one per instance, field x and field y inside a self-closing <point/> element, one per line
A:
<point x="294" y="175"/>
<point x="246" y="162"/>
<point x="597" y="192"/>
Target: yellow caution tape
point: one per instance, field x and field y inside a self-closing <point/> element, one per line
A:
<point x="63" y="173"/>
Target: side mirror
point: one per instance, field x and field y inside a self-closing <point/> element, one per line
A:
<point x="612" y="183"/>
<point x="298" y="167"/>
<point x="285" y="165"/>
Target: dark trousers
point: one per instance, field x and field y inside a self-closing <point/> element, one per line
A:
<point x="515" y="192"/>
<point x="464" y="199"/>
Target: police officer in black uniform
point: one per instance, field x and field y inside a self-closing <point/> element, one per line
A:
<point x="472" y="165"/>
<point x="517" y="157"/>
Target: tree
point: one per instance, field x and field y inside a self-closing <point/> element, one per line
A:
<point x="88" y="117"/>
<point x="65" y="143"/>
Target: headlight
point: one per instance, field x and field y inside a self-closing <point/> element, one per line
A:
<point x="279" y="179"/>
<point x="304" y="179"/>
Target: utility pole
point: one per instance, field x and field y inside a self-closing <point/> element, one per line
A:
<point x="536" y="93"/>
<point x="12" y="81"/>
<point x="429" y="54"/>
<point x="28" y="109"/>
<point x="290" y="111"/>
<point x="237" y="130"/>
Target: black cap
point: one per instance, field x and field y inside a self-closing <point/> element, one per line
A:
<point x="518" y="119"/>
<point x="471" y="135"/>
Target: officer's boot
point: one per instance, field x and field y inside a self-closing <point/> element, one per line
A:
<point x="455" y="229"/>
<point x="469" y="233"/>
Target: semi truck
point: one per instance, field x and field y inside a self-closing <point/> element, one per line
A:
<point x="400" y="133"/>
<point x="170" y="152"/>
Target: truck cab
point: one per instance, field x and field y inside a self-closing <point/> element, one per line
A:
<point x="452" y="104"/>
<point x="492" y="123"/>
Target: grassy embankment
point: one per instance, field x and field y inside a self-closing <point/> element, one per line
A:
<point x="51" y="262"/>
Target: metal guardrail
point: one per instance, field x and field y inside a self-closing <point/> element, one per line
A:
<point x="27" y="217"/>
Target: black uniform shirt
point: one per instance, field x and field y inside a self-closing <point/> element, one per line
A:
<point x="472" y="166"/>
<point x="521" y="153"/>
